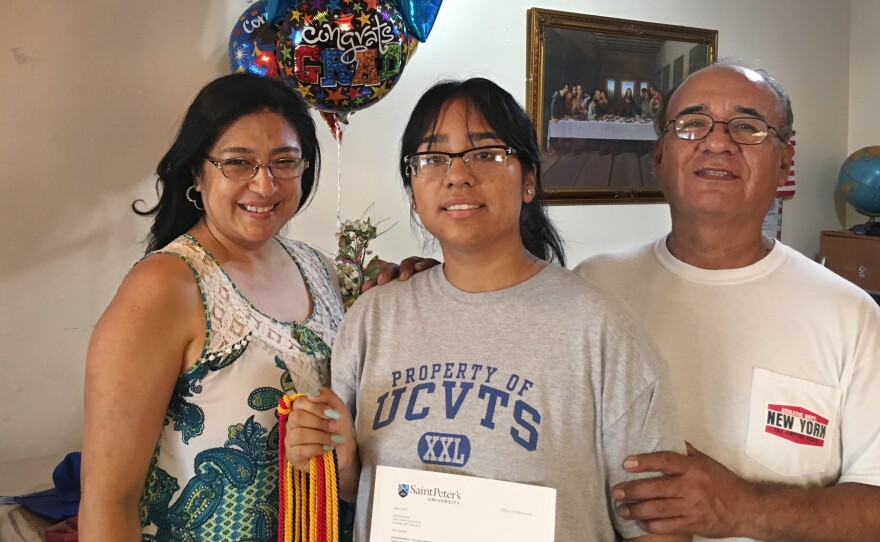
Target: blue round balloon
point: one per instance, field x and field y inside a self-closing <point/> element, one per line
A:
<point x="859" y="180"/>
<point x="252" y="42"/>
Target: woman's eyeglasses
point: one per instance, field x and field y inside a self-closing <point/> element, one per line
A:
<point x="243" y="169"/>
<point x="431" y="164"/>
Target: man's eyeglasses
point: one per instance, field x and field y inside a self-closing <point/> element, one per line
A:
<point x="431" y="164"/>
<point x="242" y="169"/>
<point x="743" y="130"/>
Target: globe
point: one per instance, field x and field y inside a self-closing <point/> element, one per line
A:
<point x="859" y="180"/>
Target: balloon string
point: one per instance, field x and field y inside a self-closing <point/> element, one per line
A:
<point x="338" y="183"/>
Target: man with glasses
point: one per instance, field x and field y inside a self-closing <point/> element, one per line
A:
<point x="775" y="360"/>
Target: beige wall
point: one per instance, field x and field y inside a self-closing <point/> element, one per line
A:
<point x="92" y="91"/>
<point x="864" y="86"/>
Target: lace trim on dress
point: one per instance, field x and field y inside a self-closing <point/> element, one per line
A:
<point x="231" y="320"/>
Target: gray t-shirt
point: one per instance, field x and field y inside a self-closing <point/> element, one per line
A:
<point x="550" y="382"/>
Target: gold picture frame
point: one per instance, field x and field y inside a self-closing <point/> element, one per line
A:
<point x="599" y="150"/>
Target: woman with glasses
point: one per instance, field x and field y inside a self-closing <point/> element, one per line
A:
<point x="222" y="316"/>
<point x="530" y="374"/>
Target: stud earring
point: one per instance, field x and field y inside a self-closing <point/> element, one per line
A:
<point x="193" y="200"/>
<point x="528" y="191"/>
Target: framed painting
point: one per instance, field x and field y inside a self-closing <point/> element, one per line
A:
<point x="594" y="86"/>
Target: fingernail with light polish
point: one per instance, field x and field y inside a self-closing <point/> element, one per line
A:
<point x="624" y="511"/>
<point x="330" y="413"/>
<point x="618" y="495"/>
<point x="630" y="463"/>
<point x="327" y="448"/>
<point x="338" y="439"/>
<point x="314" y="393"/>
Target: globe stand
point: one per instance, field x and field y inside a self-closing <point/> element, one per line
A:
<point x="870" y="228"/>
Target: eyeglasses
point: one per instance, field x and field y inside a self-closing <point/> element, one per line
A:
<point x="743" y="130"/>
<point x="430" y="164"/>
<point x="241" y="169"/>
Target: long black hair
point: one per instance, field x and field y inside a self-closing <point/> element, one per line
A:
<point x="219" y="104"/>
<point x="507" y="118"/>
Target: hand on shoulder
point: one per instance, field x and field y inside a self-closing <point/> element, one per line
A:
<point x="403" y="271"/>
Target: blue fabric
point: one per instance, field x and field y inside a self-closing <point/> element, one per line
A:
<point x="62" y="501"/>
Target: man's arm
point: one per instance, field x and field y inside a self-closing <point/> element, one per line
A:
<point x="841" y="513"/>
<point x="699" y="496"/>
<point x="660" y="538"/>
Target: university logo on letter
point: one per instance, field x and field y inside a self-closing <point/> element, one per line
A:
<point x="403" y="490"/>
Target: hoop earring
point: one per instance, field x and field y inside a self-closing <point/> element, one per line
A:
<point x="192" y="200"/>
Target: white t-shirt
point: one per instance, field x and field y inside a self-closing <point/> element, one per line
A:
<point x="775" y="366"/>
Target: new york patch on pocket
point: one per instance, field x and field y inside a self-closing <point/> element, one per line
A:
<point x="792" y="423"/>
<point x="796" y="424"/>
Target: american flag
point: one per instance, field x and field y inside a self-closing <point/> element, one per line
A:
<point x="787" y="190"/>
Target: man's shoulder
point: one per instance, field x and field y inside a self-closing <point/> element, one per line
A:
<point x="616" y="262"/>
<point x="814" y="277"/>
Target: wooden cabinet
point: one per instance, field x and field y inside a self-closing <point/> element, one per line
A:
<point x="853" y="257"/>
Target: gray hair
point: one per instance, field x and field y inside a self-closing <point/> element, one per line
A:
<point x="785" y="131"/>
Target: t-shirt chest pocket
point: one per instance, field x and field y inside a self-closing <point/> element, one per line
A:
<point x="791" y="423"/>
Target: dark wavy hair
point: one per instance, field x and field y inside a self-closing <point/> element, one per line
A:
<point x="507" y="118"/>
<point x="220" y="103"/>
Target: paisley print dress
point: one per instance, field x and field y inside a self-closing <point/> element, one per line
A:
<point x="214" y="472"/>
